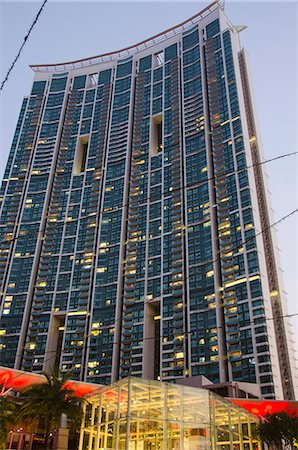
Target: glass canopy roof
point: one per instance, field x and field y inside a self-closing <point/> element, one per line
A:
<point x="137" y="414"/>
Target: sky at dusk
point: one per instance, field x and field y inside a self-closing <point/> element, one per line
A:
<point x="72" y="30"/>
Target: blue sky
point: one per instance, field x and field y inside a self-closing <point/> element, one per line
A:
<point x="72" y="30"/>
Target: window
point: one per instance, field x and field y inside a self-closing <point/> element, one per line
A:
<point x="58" y="84"/>
<point x="81" y="155"/>
<point x="190" y="40"/>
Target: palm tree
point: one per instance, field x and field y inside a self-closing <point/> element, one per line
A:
<point x="7" y="419"/>
<point x="48" y="401"/>
<point x="278" y="430"/>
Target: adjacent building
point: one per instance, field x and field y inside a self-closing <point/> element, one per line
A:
<point x="135" y="235"/>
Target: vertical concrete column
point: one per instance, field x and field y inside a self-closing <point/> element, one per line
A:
<point x="61" y="439"/>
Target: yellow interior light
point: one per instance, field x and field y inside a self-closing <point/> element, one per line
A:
<point x="77" y="313"/>
<point x="273" y="293"/>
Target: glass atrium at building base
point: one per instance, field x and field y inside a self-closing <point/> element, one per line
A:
<point x="138" y="414"/>
<point x="135" y="235"/>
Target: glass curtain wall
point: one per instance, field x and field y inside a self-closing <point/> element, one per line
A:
<point x="136" y="414"/>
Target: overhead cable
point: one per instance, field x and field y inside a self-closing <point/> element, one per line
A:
<point x="144" y="200"/>
<point x="23" y="44"/>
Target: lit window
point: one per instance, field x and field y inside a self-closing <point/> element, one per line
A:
<point x="93" y="364"/>
<point x="209" y="273"/>
<point x="31" y="345"/>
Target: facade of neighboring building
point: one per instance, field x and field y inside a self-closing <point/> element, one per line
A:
<point x="134" y="229"/>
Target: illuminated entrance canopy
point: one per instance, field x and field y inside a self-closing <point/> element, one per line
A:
<point x="18" y="380"/>
<point x="139" y="414"/>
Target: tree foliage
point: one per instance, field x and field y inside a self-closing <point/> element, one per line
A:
<point x="7" y="419"/>
<point x="278" y="430"/>
<point x="48" y="401"/>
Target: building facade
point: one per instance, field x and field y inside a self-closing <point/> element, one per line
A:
<point x="135" y="234"/>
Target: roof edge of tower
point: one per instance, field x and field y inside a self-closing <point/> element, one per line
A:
<point x="127" y="51"/>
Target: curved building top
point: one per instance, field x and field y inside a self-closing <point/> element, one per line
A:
<point x="128" y="51"/>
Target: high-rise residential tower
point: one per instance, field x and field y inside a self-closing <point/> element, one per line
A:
<point x="135" y="234"/>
